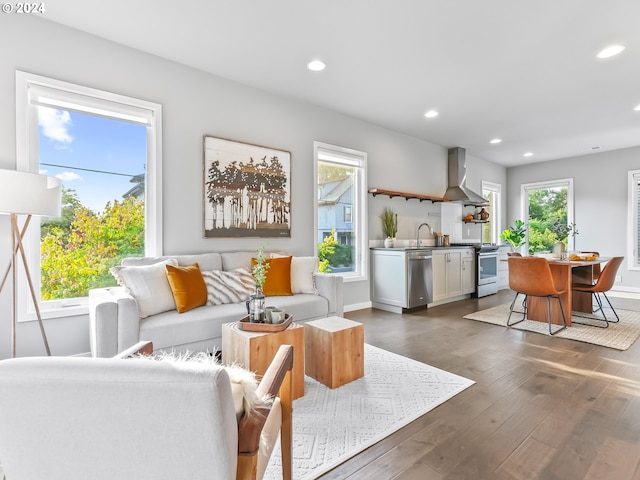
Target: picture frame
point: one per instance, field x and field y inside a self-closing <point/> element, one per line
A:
<point x="246" y="190"/>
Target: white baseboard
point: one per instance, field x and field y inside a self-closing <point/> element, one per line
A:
<point x="625" y="292"/>
<point x="357" y="306"/>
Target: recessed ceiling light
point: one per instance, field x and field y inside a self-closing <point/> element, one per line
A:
<point x="528" y="154"/>
<point x="496" y="140"/>
<point x="431" y="114"/>
<point x="316" y="65"/>
<point x="611" y="51"/>
<point x="637" y="109"/>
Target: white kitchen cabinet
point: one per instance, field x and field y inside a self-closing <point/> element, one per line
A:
<point x="453" y="273"/>
<point x="439" y="275"/>
<point x="503" y="267"/>
<point x="388" y="282"/>
<point x="468" y="271"/>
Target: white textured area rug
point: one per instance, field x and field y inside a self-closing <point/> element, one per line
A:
<point x="618" y="335"/>
<point x="330" y="426"/>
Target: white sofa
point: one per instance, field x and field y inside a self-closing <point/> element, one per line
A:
<point x="115" y="323"/>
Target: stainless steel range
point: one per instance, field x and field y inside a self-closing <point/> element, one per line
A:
<point x="486" y="270"/>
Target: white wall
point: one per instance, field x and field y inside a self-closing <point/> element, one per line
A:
<point x="194" y="104"/>
<point x="600" y="193"/>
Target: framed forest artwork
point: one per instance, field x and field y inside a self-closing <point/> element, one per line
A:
<point x="247" y="190"/>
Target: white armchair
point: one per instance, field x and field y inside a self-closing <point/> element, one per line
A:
<point x="78" y="418"/>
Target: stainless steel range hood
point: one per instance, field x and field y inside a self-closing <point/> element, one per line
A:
<point x="457" y="190"/>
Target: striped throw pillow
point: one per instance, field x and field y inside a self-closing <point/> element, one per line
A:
<point x="228" y="287"/>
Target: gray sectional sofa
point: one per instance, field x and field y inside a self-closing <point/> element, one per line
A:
<point x="115" y="322"/>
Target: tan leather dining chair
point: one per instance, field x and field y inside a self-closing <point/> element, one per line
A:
<point x="603" y="284"/>
<point x="531" y="276"/>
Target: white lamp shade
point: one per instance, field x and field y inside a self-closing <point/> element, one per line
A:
<point x="26" y="193"/>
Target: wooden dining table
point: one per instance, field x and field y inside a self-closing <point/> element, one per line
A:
<point x="566" y="272"/>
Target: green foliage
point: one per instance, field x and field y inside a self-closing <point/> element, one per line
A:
<point x="260" y="267"/>
<point x="328" y="172"/>
<point x="540" y="240"/>
<point x="515" y="235"/>
<point x="326" y="249"/>
<point x="389" y="225"/>
<point x="78" y="250"/>
<point x="562" y="230"/>
<point x="343" y="255"/>
<point x="70" y="203"/>
<point x="548" y="222"/>
<point x="333" y="254"/>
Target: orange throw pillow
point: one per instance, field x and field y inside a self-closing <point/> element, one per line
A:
<point x="188" y="287"/>
<point x="278" y="280"/>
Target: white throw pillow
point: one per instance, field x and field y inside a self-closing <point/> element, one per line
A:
<point x="302" y="270"/>
<point x="149" y="285"/>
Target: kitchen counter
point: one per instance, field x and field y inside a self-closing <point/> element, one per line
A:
<point x="423" y="247"/>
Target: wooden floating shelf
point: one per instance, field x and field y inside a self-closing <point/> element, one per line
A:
<point x="475" y="221"/>
<point x="406" y="196"/>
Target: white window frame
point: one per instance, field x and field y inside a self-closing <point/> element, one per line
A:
<point x="496" y="209"/>
<point x="524" y="195"/>
<point x="33" y="90"/>
<point x="326" y="152"/>
<point x="633" y="236"/>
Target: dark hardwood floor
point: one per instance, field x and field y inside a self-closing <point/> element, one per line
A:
<point x="541" y="408"/>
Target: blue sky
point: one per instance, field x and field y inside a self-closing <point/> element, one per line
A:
<point x="72" y="139"/>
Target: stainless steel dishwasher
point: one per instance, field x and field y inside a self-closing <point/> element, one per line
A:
<point x="419" y="278"/>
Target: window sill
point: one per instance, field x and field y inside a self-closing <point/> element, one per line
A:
<point x="69" y="308"/>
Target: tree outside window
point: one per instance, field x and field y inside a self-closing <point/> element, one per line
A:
<point x="548" y="216"/>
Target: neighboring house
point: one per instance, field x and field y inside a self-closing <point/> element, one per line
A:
<point x="136" y="191"/>
<point x="335" y="210"/>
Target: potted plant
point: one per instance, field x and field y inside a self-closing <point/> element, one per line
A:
<point x="515" y="235"/>
<point x="389" y="226"/>
<point x="563" y="231"/>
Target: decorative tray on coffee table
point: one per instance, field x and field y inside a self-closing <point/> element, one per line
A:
<point x="245" y="324"/>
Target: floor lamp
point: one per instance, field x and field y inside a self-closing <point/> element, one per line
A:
<point x="23" y="193"/>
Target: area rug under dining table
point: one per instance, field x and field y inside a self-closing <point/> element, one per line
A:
<point x="619" y="336"/>
<point x="332" y="425"/>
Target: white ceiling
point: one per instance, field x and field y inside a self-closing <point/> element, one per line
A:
<point x="523" y="71"/>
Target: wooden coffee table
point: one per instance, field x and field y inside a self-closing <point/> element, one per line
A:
<point x="255" y="350"/>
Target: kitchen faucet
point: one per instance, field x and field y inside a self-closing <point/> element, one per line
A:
<point x="418" y="232"/>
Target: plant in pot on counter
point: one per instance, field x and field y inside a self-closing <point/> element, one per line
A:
<point x="389" y="226"/>
<point x="515" y="235"/>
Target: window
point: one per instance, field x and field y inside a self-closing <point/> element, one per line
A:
<point x="106" y="149"/>
<point x="491" y="231"/>
<point x="633" y="242"/>
<point x="341" y="238"/>
<point x="548" y="212"/>
<point x="348" y="218"/>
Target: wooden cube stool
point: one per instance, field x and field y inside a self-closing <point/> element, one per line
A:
<point x="334" y="350"/>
